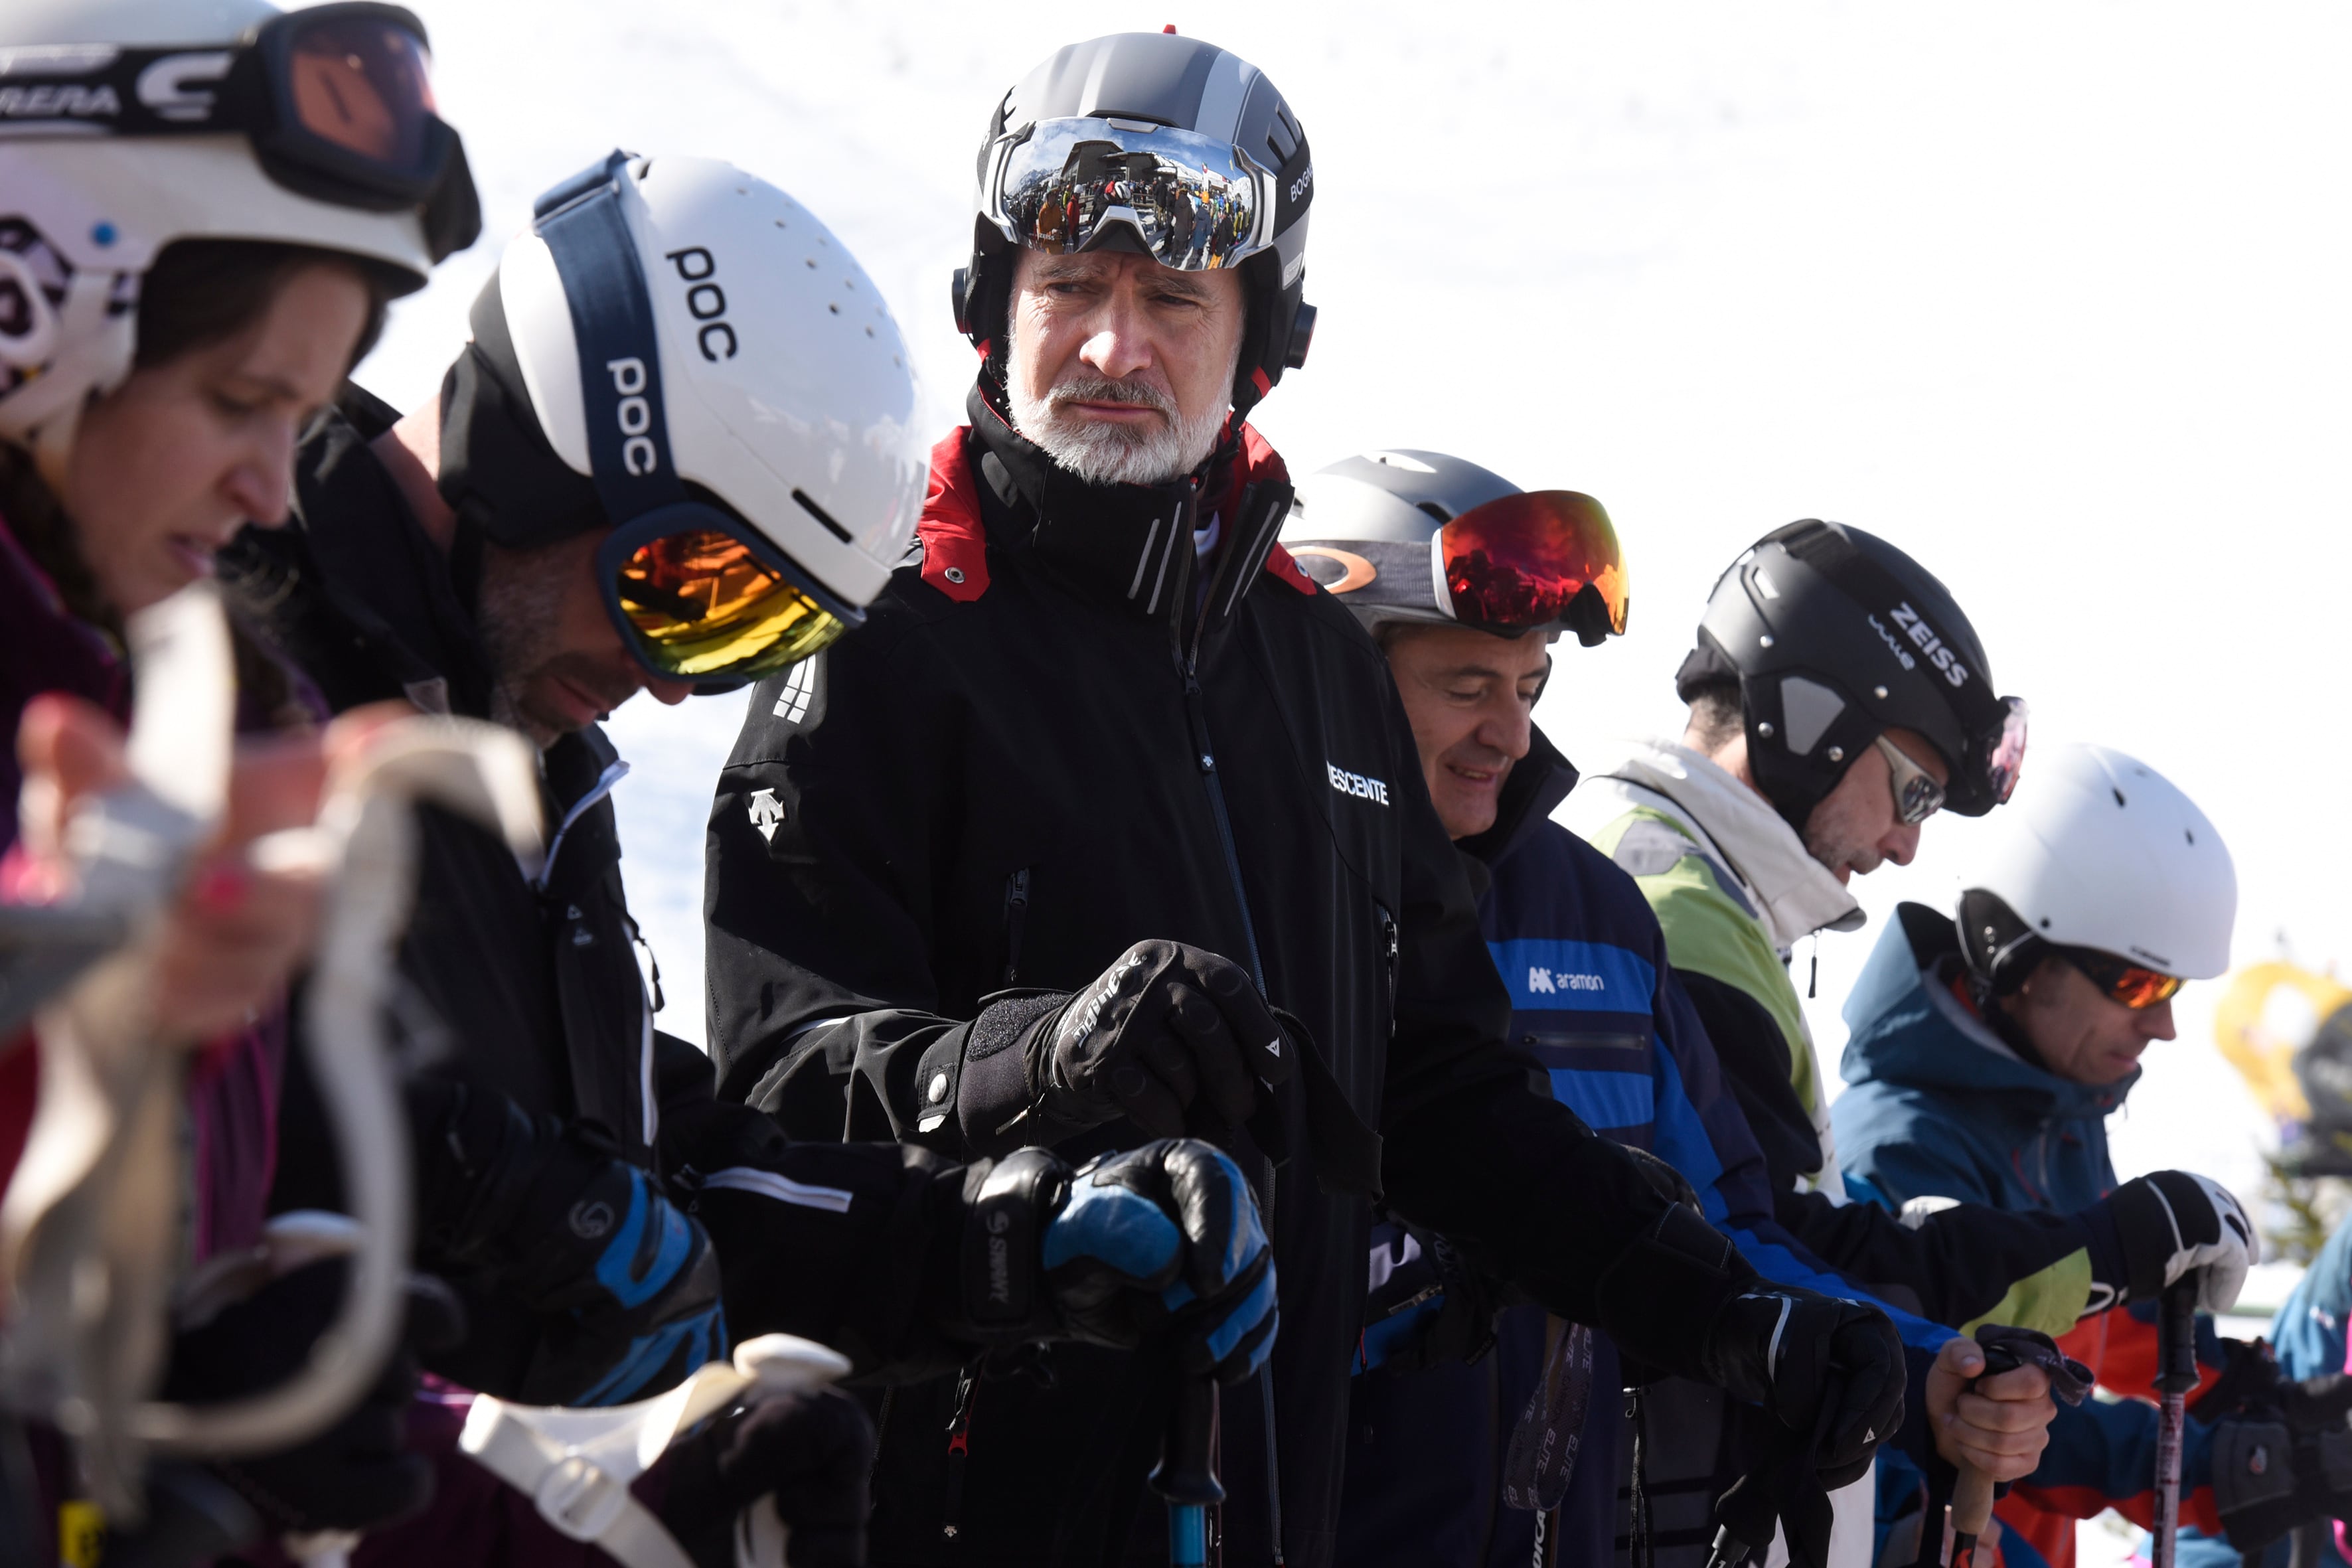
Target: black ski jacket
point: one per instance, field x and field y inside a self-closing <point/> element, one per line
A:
<point x="541" y="990"/>
<point x="1051" y="739"/>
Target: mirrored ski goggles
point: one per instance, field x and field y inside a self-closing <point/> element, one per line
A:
<point x="1918" y="795"/>
<point x="337" y="102"/>
<point x="1543" y="558"/>
<point x="700" y="596"/>
<point x="2133" y="985"/>
<point x="2005" y="750"/>
<point x="1188" y="201"/>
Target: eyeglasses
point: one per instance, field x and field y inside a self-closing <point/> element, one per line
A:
<point x="1918" y="795"/>
<point x="336" y="101"/>
<point x="2133" y="985"/>
<point x="703" y="598"/>
<point x="1191" y="202"/>
<point x="1535" y="559"/>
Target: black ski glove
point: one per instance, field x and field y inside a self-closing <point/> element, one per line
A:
<point x="627" y="1279"/>
<point x="355" y="1474"/>
<point x="2281" y="1452"/>
<point x="2154" y="1229"/>
<point x="1820" y="1364"/>
<point x="1164" y="1239"/>
<point x="1166" y="1026"/>
<point x="811" y="1455"/>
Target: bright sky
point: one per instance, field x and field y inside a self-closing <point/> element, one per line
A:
<point x="2054" y="295"/>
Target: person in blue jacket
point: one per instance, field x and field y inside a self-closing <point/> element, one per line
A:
<point x="1437" y="1444"/>
<point x="1985" y="1056"/>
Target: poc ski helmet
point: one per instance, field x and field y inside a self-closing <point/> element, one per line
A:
<point x="1835" y="636"/>
<point x="2100" y="852"/>
<point x="126" y="126"/>
<point x="679" y="352"/>
<point x="1419" y="536"/>
<point x="1166" y="146"/>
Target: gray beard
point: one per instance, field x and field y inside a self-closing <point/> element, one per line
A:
<point x="1104" y="454"/>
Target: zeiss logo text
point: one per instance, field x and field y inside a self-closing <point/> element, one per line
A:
<point x="1357" y="784"/>
<point x="1551" y="981"/>
<point x="1923" y="638"/>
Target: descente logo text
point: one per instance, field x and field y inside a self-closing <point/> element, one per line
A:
<point x="1357" y="784"/>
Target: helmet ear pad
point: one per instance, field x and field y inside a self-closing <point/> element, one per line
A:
<point x="2001" y="950"/>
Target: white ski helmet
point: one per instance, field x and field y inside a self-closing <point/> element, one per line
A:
<point x="681" y="352"/>
<point x="126" y="125"/>
<point x="2098" y="850"/>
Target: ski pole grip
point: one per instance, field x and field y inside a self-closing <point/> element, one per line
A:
<point x="1971" y="1502"/>
<point x="2176" y="1336"/>
<point x="1188" y="1464"/>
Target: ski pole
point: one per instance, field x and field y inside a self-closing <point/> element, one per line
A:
<point x="1187" y="1474"/>
<point x="1971" y="1511"/>
<point x="2176" y="1375"/>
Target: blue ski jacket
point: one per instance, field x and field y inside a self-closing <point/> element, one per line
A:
<point x="1596" y="1007"/>
<point x="1941" y="1106"/>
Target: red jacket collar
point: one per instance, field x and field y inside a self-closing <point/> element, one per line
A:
<point x="955" y="543"/>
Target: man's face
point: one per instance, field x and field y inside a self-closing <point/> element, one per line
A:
<point x="1471" y="697"/>
<point x="557" y="659"/>
<point x="1122" y="369"/>
<point x="2084" y="1035"/>
<point x="1853" y="830"/>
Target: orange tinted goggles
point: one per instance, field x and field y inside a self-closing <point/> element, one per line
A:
<point x="709" y="604"/>
<point x="2132" y="985"/>
<point x="1540" y="558"/>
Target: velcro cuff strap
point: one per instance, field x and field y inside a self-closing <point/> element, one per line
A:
<point x="992" y="1084"/>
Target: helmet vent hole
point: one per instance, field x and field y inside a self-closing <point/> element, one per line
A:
<point x="869" y="332"/>
<point x="822" y="515"/>
<point x="2189" y="834"/>
<point x="2045" y="922"/>
<point x="1435" y="511"/>
<point x="835" y="308"/>
<point x="2118" y="794"/>
<point x="812" y="261"/>
<point x="782" y="224"/>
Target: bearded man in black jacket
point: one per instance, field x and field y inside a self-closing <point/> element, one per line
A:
<point x="1108" y="825"/>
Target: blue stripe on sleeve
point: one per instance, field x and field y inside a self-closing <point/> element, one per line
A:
<point x="1605" y="1100"/>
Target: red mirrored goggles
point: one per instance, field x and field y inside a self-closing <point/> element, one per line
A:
<point x="1538" y="558"/>
<point x="2133" y="984"/>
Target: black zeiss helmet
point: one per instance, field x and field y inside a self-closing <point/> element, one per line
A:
<point x="1158" y="144"/>
<point x="1836" y="636"/>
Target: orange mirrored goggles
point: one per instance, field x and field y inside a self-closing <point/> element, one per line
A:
<point x="701" y="598"/>
<point x="1536" y="559"/>
<point x="2120" y="980"/>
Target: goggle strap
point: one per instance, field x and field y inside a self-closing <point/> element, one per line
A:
<point x="620" y="351"/>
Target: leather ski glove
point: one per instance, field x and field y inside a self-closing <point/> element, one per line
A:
<point x="1161" y="1239"/>
<point x="356" y="1475"/>
<point x="2282" y="1449"/>
<point x="2165" y="1225"/>
<point x="1822" y="1366"/>
<point x="782" y="1481"/>
<point x="626" y="1280"/>
<point x="1164" y="1027"/>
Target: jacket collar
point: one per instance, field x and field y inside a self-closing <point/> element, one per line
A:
<point x="1532" y="791"/>
<point x="1126" y="544"/>
<point x="1795" y="893"/>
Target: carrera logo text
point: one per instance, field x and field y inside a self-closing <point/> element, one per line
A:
<point x="1551" y="981"/>
<point x="1923" y="638"/>
<point x="1357" y="784"/>
<point x="705" y="300"/>
<point x="638" y="453"/>
<point x="59" y="101"/>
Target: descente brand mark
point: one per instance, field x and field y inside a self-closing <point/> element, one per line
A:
<point x="1923" y="638"/>
<point x="1357" y="784"/>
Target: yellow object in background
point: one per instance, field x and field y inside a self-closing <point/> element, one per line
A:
<point x="2271" y="1012"/>
<point x="82" y="1534"/>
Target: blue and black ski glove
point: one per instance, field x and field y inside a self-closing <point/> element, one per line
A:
<point x="1160" y="1240"/>
<point x="626" y="1282"/>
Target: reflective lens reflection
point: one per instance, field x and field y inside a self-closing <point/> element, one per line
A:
<point x="1524" y="560"/>
<point x="1187" y="198"/>
<point x="703" y="605"/>
<point x="362" y="84"/>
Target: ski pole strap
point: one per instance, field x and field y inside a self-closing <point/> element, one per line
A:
<point x="1541" y="1456"/>
<point x="2006" y="1349"/>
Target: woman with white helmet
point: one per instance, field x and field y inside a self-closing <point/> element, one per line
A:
<point x="1987" y="1052"/>
<point x="205" y="206"/>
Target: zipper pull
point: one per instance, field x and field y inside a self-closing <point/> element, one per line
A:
<point x="967" y="1396"/>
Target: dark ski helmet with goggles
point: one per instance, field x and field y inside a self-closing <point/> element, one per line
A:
<point x="1164" y="146"/>
<point x="1835" y="636"/>
<point x="680" y="354"/>
<point x="1421" y="537"/>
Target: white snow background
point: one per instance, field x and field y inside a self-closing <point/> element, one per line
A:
<point x="2054" y="295"/>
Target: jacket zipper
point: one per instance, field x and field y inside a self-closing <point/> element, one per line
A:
<point x="967" y="1396"/>
<point x="1016" y="915"/>
<point x="1390" y="949"/>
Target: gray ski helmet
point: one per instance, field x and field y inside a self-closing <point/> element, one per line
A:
<point x="1158" y="145"/>
<point x="1421" y="536"/>
<point x="1836" y="636"/>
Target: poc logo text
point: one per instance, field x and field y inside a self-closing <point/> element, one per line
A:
<point x="706" y="301"/>
<point x="638" y="453"/>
